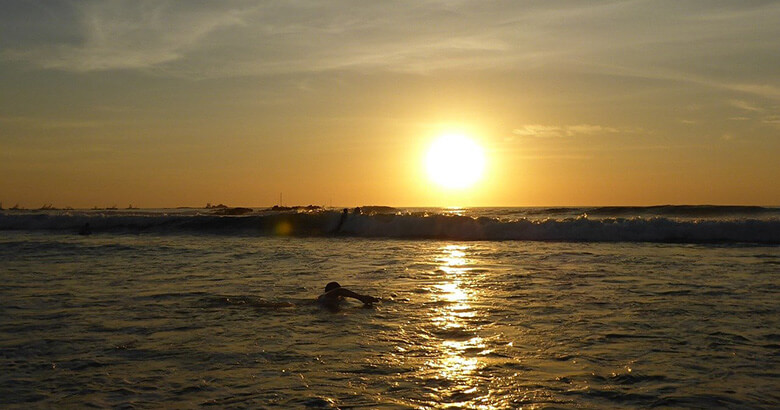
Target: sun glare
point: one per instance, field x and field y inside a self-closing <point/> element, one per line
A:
<point x="455" y="161"/>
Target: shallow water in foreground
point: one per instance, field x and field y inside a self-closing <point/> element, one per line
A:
<point x="157" y="320"/>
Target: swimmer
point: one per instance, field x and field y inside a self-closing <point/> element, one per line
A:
<point x="334" y="294"/>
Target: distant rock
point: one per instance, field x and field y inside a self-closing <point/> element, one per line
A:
<point x="220" y="206"/>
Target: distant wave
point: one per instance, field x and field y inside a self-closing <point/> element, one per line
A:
<point x="689" y="211"/>
<point x="749" y="229"/>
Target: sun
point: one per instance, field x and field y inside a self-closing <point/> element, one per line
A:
<point x="455" y="161"/>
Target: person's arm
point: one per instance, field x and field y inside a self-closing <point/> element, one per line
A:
<point x="343" y="292"/>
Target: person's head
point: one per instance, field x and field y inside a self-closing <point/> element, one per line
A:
<point x="332" y="285"/>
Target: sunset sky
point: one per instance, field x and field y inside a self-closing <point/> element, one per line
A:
<point x="180" y="103"/>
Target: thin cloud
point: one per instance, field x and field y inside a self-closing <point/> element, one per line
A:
<point x="773" y="120"/>
<point x="558" y="131"/>
<point x="539" y="131"/>
<point x="764" y="90"/>
<point x="129" y="35"/>
<point x="556" y="157"/>
<point x="744" y="105"/>
<point x="219" y="39"/>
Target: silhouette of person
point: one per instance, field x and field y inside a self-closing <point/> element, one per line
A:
<point x="342" y="219"/>
<point x="334" y="294"/>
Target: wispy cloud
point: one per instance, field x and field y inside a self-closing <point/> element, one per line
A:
<point x="773" y="120"/>
<point x="570" y="157"/>
<point x="744" y="105"/>
<point x="129" y="35"/>
<point x="559" y="131"/>
<point x="228" y="38"/>
<point x="762" y="89"/>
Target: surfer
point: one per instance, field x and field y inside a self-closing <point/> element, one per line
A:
<point x="342" y="219"/>
<point x="334" y="294"/>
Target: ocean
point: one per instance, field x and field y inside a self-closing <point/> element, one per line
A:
<point x="487" y="308"/>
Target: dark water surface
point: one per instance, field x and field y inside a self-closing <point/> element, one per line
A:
<point x="177" y="320"/>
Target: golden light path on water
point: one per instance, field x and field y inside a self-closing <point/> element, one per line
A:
<point x="456" y="297"/>
<point x="469" y="345"/>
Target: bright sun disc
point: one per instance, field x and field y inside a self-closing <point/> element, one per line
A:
<point x="455" y="161"/>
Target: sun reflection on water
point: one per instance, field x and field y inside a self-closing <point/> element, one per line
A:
<point x="459" y="350"/>
<point x="466" y="360"/>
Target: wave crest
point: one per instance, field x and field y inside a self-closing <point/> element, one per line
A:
<point x="414" y="226"/>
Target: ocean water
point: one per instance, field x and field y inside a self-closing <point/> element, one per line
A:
<point x="481" y="308"/>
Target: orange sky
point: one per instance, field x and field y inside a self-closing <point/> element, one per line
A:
<point x="179" y="104"/>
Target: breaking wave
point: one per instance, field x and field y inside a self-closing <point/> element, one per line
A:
<point x="417" y="225"/>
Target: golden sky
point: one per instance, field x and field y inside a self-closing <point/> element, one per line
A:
<point x="180" y="103"/>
